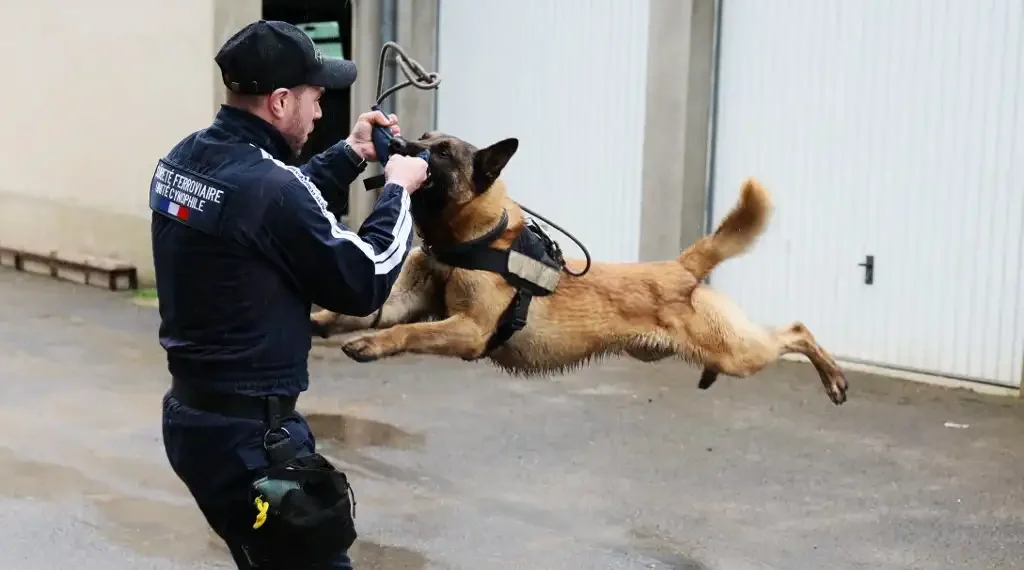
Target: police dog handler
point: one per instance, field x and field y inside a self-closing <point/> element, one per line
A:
<point x="243" y="243"/>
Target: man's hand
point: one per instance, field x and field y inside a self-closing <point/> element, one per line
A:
<point x="409" y="171"/>
<point x="361" y="138"/>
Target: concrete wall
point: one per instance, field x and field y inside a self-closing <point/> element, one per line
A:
<point x="679" y="104"/>
<point x="365" y="49"/>
<point x="90" y="109"/>
<point x="676" y="139"/>
<point x="416" y="32"/>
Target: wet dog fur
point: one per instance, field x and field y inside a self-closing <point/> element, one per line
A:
<point x="649" y="311"/>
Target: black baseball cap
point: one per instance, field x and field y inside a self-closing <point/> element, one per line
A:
<point x="267" y="55"/>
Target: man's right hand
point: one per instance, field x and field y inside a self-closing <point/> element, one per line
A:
<point x="409" y="171"/>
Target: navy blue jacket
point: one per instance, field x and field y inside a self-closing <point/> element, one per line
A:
<point x="243" y="244"/>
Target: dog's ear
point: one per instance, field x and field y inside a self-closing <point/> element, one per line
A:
<point x="489" y="162"/>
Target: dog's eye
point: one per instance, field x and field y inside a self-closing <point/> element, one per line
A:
<point x="443" y="152"/>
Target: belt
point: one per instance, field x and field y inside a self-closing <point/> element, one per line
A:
<point x="236" y="405"/>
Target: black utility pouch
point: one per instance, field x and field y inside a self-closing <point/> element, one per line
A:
<point x="304" y="507"/>
<point x="305" y="513"/>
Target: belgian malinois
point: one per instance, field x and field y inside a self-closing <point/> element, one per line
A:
<point x="649" y="311"/>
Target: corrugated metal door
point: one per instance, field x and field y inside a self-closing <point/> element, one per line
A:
<point x="889" y="129"/>
<point x="568" y="79"/>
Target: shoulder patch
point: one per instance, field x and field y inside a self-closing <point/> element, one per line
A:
<point x="191" y="199"/>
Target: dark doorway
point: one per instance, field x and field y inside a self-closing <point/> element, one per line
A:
<point x="334" y="124"/>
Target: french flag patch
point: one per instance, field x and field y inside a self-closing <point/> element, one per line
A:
<point x="188" y="198"/>
<point x="176" y="210"/>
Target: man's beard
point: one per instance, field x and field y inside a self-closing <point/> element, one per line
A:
<point x="295" y="144"/>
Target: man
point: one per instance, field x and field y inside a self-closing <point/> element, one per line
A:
<point x="243" y="244"/>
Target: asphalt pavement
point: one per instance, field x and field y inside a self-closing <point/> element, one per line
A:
<point x="455" y="465"/>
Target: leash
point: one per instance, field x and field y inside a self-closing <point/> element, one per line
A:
<point x="557" y="251"/>
<point x="383" y="141"/>
<point x="416" y="77"/>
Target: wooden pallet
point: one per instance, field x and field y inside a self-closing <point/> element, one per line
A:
<point x="112" y="274"/>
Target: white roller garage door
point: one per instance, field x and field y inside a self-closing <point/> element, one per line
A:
<point x="889" y="129"/>
<point x="568" y="79"/>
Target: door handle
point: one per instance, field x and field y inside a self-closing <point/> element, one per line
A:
<point x="869" y="269"/>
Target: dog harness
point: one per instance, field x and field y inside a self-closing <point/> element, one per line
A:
<point x="532" y="264"/>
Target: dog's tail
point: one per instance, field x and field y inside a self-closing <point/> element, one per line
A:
<point x="737" y="232"/>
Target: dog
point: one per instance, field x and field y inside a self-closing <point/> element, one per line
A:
<point x="649" y="311"/>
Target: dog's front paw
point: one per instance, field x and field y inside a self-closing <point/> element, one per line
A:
<point x="362" y="349"/>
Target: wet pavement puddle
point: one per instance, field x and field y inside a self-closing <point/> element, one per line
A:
<point x="349" y="432"/>
<point x="348" y="437"/>
<point x="666" y="552"/>
<point x="372" y="556"/>
<point x="150" y="527"/>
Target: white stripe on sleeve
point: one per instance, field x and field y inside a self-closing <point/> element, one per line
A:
<point x="384" y="261"/>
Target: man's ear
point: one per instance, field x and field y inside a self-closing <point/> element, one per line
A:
<point x="276" y="102"/>
<point x="489" y="162"/>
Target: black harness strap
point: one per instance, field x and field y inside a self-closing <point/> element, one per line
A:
<point x="527" y="265"/>
<point x="512" y="320"/>
<point x="477" y="253"/>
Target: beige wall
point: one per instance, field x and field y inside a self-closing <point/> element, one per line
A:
<point x="416" y="22"/>
<point x="90" y="109"/>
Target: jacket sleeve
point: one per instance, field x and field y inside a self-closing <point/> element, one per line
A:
<point x="332" y="171"/>
<point x="344" y="271"/>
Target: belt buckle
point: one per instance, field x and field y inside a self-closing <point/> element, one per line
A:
<point x="285" y="437"/>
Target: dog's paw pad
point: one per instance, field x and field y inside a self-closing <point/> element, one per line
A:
<point x="837" y="390"/>
<point x="361" y="350"/>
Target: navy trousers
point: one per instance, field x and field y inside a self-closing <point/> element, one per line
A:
<point x="218" y="458"/>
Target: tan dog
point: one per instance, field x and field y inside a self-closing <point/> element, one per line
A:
<point x="649" y="311"/>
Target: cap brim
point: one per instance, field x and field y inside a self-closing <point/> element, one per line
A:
<point x="335" y="73"/>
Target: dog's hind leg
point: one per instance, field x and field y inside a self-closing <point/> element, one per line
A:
<point x="796" y="338"/>
<point x="750" y="353"/>
<point x="414" y="297"/>
<point x="401" y="307"/>
<point x="457" y="336"/>
<point x="325" y="323"/>
<point x="719" y="335"/>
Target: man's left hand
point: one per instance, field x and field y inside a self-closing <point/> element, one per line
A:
<point x="361" y="139"/>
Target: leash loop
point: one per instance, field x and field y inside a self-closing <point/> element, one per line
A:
<point x="414" y="73"/>
<point x="416" y="77"/>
